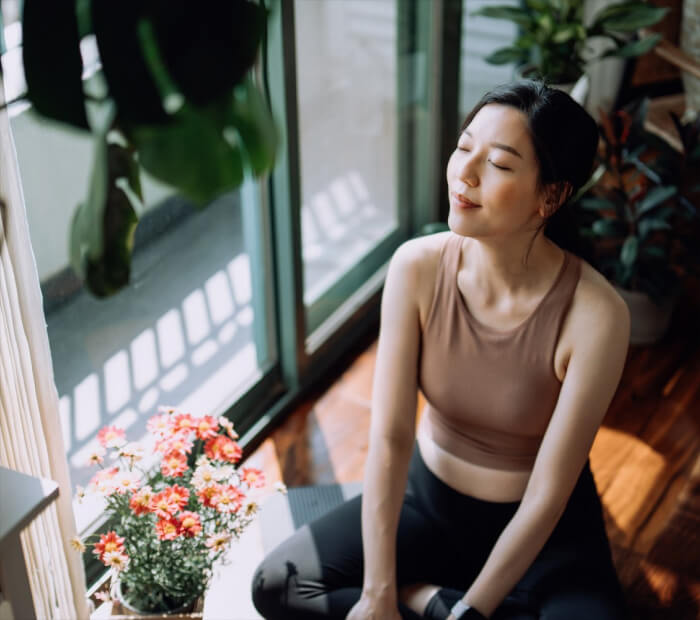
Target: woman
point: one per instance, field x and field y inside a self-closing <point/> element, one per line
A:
<point x="518" y="346"/>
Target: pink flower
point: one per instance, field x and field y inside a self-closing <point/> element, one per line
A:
<point x="160" y="425"/>
<point x="216" y="542"/>
<point x="190" y="524"/>
<point x="206" y="427"/>
<point x="167" y="529"/>
<point x="179" y="495"/>
<point x="173" y="464"/>
<point x="126" y="481"/>
<point x="177" y="443"/>
<point x="103" y="481"/>
<point x="254" y="478"/>
<point x="108" y="542"/>
<point x="184" y="422"/>
<point x="111" y="437"/>
<point x="227" y="425"/>
<point x="116" y="560"/>
<point x="228" y="499"/>
<point x="97" y="456"/>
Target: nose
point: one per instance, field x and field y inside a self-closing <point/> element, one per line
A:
<point x="467" y="172"/>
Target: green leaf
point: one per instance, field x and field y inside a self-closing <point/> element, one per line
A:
<point x="597" y="204"/>
<point x="505" y="55"/>
<point x="650" y="224"/>
<point x="250" y="116"/>
<point x="606" y="228"/>
<point x="635" y="48"/>
<point x="565" y="34"/>
<point x="190" y="154"/>
<point x="53" y="67"/>
<point x="655" y="197"/>
<point x="634" y="18"/>
<point x="628" y="253"/>
<point x="512" y="13"/>
<point x="653" y="251"/>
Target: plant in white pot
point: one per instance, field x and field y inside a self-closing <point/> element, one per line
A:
<point x="552" y="37"/>
<point x="642" y="216"/>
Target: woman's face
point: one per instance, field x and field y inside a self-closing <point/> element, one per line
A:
<point x="492" y="176"/>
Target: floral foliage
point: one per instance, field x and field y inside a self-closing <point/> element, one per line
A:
<point x="171" y="521"/>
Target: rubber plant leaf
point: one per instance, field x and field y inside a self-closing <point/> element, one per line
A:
<point x="53" y="67"/>
<point x="606" y="228"/>
<point x="249" y="115"/>
<point x="650" y="224"/>
<point x="628" y="253"/>
<point x="128" y="77"/>
<point x="635" y="48"/>
<point x="209" y="46"/>
<point x="655" y="197"/>
<point x="102" y="230"/>
<point x="597" y="204"/>
<point x="190" y="154"/>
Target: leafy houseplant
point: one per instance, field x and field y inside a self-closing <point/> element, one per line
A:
<point x="552" y="35"/>
<point x="170" y="523"/>
<point x="642" y="214"/>
<point x="171" y="94"/>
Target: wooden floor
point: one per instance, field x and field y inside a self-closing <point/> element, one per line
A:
<point x="645" y="460"/>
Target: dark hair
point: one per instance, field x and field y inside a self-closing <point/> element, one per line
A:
<point x="565" y="139"/>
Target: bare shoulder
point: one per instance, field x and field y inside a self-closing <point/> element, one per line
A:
<point x="418" y="260"/>
<point x="598" y="308"/>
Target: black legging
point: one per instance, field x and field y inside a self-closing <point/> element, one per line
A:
<point x="444" y="538"/>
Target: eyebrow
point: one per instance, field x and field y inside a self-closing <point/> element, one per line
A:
<point x="499" y="145"/>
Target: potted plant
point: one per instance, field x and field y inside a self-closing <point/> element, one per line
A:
<point x="172" y="515"/>
<point x="552" y="36"/>
<point x="642" y="215"/>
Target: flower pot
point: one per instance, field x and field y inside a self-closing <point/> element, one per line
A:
<point x="122" y="610"/>
<point x="649" y="321"/>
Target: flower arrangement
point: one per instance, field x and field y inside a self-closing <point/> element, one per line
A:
<point x="171" y="519"/>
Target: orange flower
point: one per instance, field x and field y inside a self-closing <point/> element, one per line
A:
<point x="177" y="443"/>
<point x="174" y="464"/>
<point x="167" y="529"/>
<point x="108" y="542"/>
<point x="206" y="427"/>
<point x="178" y="495"/>
<point x="228" y="499"/>
<point x="111" y="437"/>
<point x="140" y="502"/>
<point x="254" y="478"/>
<point x="190" y="525"/>
<point x="221" y="448"/>
<point x="207" y="494"/>
<point x="163" y="504"/>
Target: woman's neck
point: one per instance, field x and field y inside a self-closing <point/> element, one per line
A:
<point x="499" y="268"/>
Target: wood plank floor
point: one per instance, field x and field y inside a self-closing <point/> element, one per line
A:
<point x="646" y="461"/>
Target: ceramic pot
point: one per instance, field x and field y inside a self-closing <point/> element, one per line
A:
<point x="128" y="610"/>
<point x="649" y="321"/>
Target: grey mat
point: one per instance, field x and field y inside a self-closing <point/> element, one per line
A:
<point x="282" y="514"/>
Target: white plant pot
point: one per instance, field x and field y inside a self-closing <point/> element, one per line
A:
<point x="649" y="322"/>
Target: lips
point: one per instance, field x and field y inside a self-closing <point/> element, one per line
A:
<point x="464" y="202"/>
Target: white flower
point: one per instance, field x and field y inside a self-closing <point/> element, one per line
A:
<point x="202" y="459"/>
<point x="281" y="487"/>
<point x="203" y="476"/>
<point x="116" y="560"/>
<point x="218" y="541"/>
<point x="227" y="425"/>
<point x="224" y="472"/>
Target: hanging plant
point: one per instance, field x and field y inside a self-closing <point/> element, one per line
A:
<point x="173" y="96"/>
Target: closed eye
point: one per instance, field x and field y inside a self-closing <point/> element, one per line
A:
<point x="497" y="166"/>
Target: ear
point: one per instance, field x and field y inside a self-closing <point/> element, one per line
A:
<point x="554" y="196"/>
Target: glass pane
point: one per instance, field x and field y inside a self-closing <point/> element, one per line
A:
<point x="480" y="37"/>
<point x="181" y="334"/>
<point x="346" y="89"/>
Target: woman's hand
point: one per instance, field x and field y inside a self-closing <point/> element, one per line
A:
<point x="374" y="609"/>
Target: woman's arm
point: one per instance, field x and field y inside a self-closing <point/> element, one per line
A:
<point x="595" y="367"/>
<point x="392" y="432"/>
